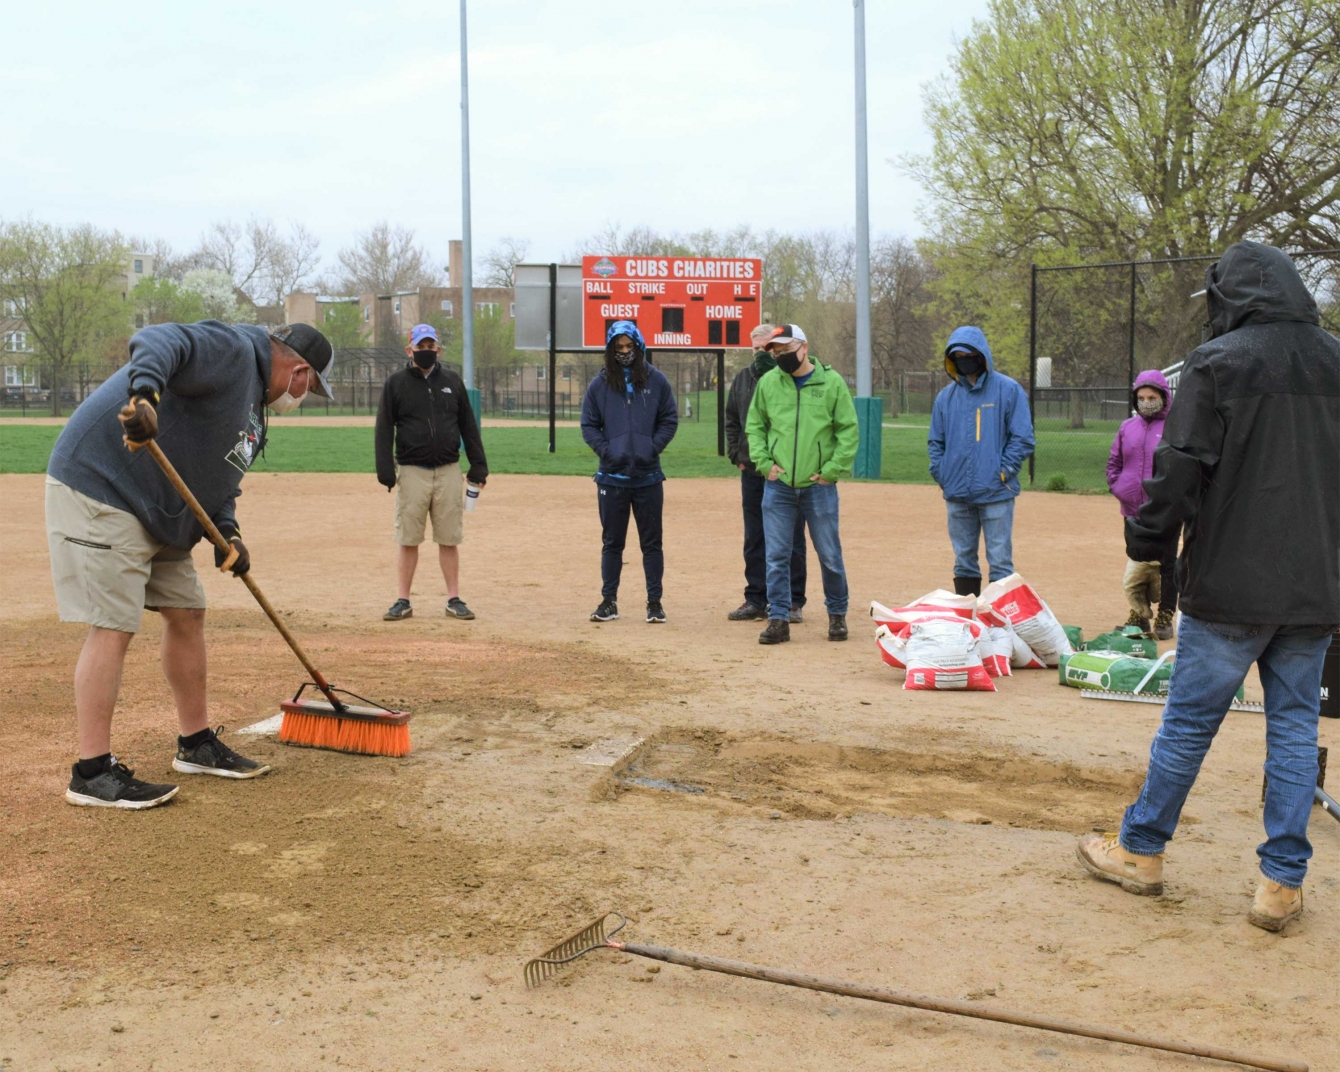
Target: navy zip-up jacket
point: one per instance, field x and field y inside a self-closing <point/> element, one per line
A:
<point x="628" y="429"/>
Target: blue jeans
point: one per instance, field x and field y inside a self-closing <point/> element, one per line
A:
<point x="818" y="505"/>
<point x="755" y="546"/>
<point x="967" y="521"/>
<point x="1212" y="659"/>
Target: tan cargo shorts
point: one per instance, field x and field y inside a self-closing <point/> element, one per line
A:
<point x="422" y="493"/>
<point x="107" y="569"/>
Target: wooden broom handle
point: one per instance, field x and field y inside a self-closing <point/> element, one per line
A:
<point x="216" y="537"/>
<point x="947" y="1005"/>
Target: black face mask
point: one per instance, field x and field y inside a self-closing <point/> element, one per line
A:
<point x="625" y="359"/>
<point x="789" y="363"/>
<point x="425" y="359"/>
<point x="970" y="364"/>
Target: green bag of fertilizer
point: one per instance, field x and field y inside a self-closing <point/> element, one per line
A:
<point x="1075" y="635"/>
<point x="1126" y="639"/>
<point x="1114" y="671"/>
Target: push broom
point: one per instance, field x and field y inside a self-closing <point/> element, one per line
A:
<point x="594" y="936"/>
<point x="366" y="728"/>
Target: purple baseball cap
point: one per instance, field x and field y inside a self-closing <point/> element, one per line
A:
<point x="419" y="332"/>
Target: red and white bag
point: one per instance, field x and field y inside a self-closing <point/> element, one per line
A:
<point x="1031" y="618"/>
<point x="891" y="647"/>
<point x="943" y="602"/>
<point x="941" y="653"/>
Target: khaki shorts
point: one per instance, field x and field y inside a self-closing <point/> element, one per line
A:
<point x="106" y="567"/>
<point x="421" y="493"/>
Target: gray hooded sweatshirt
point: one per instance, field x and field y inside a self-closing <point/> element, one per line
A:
<point x="212" y="379"/>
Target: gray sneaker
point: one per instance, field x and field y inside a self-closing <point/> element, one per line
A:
<point x="398" y="611"/>
<point x="115" y="786"/>
<point x="456" y="608"/>
<point x="212" y="756"/>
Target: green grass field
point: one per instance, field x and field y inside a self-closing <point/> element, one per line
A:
<point x="1079" y="455"/>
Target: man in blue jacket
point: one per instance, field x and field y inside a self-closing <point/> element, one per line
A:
<point x="628" y="418"/>
<point x="981" y="435"/>
<point x="120" y="536"/>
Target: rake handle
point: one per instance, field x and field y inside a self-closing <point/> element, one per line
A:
<point x="945" y="1005"/>
<point x="216" y="538"/>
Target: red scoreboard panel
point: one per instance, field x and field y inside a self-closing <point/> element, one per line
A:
<point x="676" y="302"/>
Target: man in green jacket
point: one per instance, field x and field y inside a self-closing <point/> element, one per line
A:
<point x="802" y="434"/>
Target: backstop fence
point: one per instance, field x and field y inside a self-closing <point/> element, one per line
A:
<point x="1094" y="327"/>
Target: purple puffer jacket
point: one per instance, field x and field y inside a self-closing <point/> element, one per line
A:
<point x="1132" y="460"/>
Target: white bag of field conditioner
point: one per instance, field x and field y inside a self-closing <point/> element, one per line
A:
<point x="1031" y="618"/>
<point x="941" y="653"/>
<point x="892" y="647"/>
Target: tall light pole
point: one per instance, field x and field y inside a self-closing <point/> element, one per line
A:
<point x="467" y="260"/>
<point x="869" y="409"/>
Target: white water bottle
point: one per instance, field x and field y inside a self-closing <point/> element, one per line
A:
<point x="471" y="497"/>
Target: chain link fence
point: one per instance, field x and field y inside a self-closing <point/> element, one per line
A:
<point x="1094" y="328"/>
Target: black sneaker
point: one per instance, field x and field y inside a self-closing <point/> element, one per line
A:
<point x="837" y="627"/>
<point x="748" y="612"/>
<point x="116" y="786"/>
<point x="606" y="612"/>
<point x="398" y="611"/>
<point x="778" y="632"/>
<point x="797" y="615"/>
<point x="456" y="608"/>
<point x="655" y="612"/>
<point x="212" y="756"/>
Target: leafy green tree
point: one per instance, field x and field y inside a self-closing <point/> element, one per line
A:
<point x="65" y="280"/>
<point x="343" y="325"/>
<point x="159" y="300"/>
<point x="1084" y="130"/>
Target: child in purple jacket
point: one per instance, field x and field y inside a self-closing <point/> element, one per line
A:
<point x="1130" y="464"/>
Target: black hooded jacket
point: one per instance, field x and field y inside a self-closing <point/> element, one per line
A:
<point x="1248" y="472"/>
<point x="428" y="419"/>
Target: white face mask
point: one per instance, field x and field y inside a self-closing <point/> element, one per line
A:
<point x="286" y="403"/>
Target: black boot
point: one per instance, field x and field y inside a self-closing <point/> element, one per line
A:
<point x="837" y="627"/>
<point x="778" y="632"/>
<point x="967" y="586"/>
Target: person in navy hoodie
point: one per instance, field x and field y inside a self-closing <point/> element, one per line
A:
<point x="1129" y="465"/>
<point x="628" y="419"/>
<point x="981" y="435"/>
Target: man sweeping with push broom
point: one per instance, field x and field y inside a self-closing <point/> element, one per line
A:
<point x="120" y="535"/>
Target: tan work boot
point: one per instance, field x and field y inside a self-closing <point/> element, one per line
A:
<point x="1274" y="906"/>
<point x="1102" y="855"/>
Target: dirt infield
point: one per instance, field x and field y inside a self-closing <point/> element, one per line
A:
<point x="791" y="806"/>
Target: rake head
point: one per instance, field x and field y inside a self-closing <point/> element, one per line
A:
<point x="591" y="937"/>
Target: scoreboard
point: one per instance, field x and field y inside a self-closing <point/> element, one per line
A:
<point x="676" y="302"/>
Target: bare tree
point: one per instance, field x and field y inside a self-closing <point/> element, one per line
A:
<point x="384" y="260"/>
<point x="243" y="251"/>
<point x="292" y="262"/>
<point x="500" y="260"/>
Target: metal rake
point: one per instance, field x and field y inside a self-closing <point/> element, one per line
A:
<point x="594" y="936"/>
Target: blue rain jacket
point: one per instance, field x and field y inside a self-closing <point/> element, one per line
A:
<point x="981" y="434"/>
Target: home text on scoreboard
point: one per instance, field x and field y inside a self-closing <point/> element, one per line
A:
<point x="676" y="302"/>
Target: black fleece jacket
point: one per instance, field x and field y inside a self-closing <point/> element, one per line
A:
<point x="428" y="418"/>
<point x="1248" y="472"/>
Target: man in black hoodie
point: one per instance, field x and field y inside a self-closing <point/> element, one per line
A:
<point x="1248" y="474"/>
<point x="425" y="412"/>
<point x="752" y="482"/>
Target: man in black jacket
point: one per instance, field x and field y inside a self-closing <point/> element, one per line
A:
<point x="425" y="410"/>
<point x="752" y="482"/>
<point x="1248" y="474"/>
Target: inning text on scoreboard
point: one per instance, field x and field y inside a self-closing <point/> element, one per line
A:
<point x="679" y="302"/>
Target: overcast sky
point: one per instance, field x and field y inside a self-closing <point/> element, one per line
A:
<point x="156" y="117"/>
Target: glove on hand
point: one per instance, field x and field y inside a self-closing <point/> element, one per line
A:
<point x="139" y="420"/>
<point x="243" y="561"/>
<point x="1143" y="586"/>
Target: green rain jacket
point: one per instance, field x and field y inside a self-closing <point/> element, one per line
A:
<point x="805" y="430"/>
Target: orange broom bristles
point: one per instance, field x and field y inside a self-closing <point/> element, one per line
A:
<point x="344" y="734"/>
